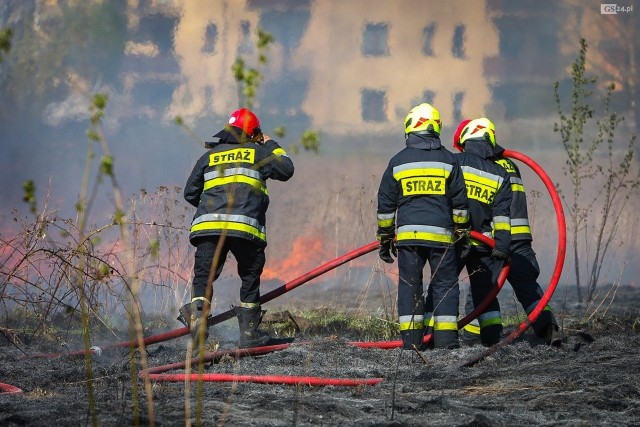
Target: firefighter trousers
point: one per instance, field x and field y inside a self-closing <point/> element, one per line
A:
<point x="523" y="278"/>
<point x="249" y="255"/>
<point x="483" y="273"/>
<point x="444" y="292"/>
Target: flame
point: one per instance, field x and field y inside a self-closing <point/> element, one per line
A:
<point x="307" y="253"/>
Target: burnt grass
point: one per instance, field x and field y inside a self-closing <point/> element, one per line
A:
<point x="588" y="377"/>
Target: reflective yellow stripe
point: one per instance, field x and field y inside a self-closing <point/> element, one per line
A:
<point x="522" y="229"/>
<point x="422" y="235"/>
<point x="421" y="172"/>
<point x="472" y="329"/>
<point x="517" y="187"/>
<point x="445" y="326"/>
<point x="223" y="225"/>
<point x="460" y="219"/>
<point x="405" y="326"/>
<point x="249" y="304"/>
<point x="492" y="184"/>
<point x="256" y="183"/>
<point x="279" y="152"/>
<point x="490" y="321"/>
<point x="385" y="222"/>
<point x="502" y="226"/>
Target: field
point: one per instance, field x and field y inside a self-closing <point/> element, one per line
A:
<point x="588" y="377"/>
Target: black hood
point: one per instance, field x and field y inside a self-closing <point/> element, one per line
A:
<point x="498" y="150"/>
<point x="423" y="141"/>
<point x="480" y="148"/>
<point x="228" y="135"/>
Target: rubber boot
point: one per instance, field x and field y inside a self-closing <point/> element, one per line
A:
<point x="471" y="334"/>
<point x="412" y="338"/>
<point x="490" y="335"/>
<point x="248" y="320"/>
<point x="445" y="339"/>
<point x="544" y="326"/>
<point x="191" y="316"/>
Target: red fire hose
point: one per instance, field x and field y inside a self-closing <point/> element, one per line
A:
<point x="157" y="374"/>
<point x="557" y="271"/>
<point x="9" y="389"/>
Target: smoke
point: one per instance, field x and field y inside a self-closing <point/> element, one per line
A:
<point x="177" y="61"/>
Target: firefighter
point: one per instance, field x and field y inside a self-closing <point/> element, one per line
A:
<point x="421" y="201"/>
<point x="228" y="188"/>
<point x="490" y="195"/>
<point x="524" y="271"/>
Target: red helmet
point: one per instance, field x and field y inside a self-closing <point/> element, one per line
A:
<point x="457" y="135"/>
<point x="246" y="121"/>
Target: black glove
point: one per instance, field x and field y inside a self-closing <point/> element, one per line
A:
<point x="499" y="255"/>
<point x="463" y="247"/>
<point x="387" y="247"/>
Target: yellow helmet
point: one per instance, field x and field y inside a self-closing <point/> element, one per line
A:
<point x="482" y="128"/>
<point x="423" y="118"/>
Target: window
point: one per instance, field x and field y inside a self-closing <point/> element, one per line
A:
<point x="428" y="33"/>
<point x="375" y="40"/>
<point x="457" y="47"/>
<point x="374" y="105"/>
<point x="428" y="96"/>
<point x="245" y="46"/>
<point x="458" y="97"/>
<point x="210" y="38"/>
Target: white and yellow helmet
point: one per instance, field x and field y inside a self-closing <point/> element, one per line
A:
<point x="423" y="118"/>
<point x="482" y="128"/>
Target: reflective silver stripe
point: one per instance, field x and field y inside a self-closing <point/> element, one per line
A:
<point x="445" y="319"/>
<point x="382" y="216"/>
<point x="230" y="218"/>
<point x="501" y="220"/>
<point x="519" y="222"/>
<point x="515" y="180"/>
<point x="415" y="318"/>
<point x="425" y="229"/>
<point x="233" y="171"/>
<point x="422" y="165"/>
<point x="483" y="174"/>
<point x="489" y="315"/>
<point x="475" y="322"/>
<point x="460" y="212"/>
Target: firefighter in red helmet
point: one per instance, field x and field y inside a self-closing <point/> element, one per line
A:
<point x="489" y="193"/>
<point x="228" y="187"/>
<point x="421" y="202"/>
<point x="524" y="271"/>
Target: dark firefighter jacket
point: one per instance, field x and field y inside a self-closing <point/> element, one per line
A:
<point x="422" y="194"/>
<point x="228" y="188"/>
<point x="489" y="193"/>
<point x="520" y="228"/>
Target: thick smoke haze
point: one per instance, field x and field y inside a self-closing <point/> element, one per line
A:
<point x="347" y="70"/>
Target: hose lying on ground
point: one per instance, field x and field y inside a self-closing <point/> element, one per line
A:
<point x="9" y="389"/>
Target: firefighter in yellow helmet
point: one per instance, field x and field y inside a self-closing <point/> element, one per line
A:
<point x="421" y="201"/>
<point x="490" y="195"/>
<point x="228" y="187"/>
<point x="524" y="271"/>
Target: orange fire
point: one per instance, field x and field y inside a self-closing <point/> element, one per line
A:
<point x="307" y="253"/>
